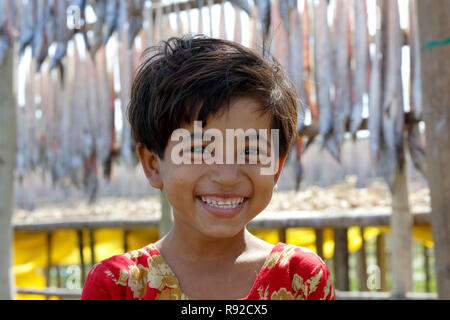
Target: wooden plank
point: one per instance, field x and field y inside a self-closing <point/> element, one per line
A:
<point x="271" y="220"/>
<point x="434" y="24"/>
<point x="92" y="245"/>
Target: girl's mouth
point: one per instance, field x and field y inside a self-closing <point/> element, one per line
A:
<point x="222" y="207"/>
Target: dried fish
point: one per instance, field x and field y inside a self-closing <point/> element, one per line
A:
<point x="415" y="142"/>
<point x="40" y="44"/>
<point x="176" y="6"/>
<point x="391" y="144"/>
<point x="296" y="69"/>
<point x="263" y="22"/>
<point x="361" y="47"/>
<point x="96" y="40"/>
<point x="158" y="21"/>
<point x="210" y="5"/>
<point x="341" y="55"/>
<point x="111" y="18"/>
<point x="323" y="71"/>
<point x="237" y="24"/>
<point x="374" y="121"/>
<point x="222" y="22"/>
<point x="5" y="28"/>
<point x="148" y="24"/>
<point x="51" y="23"/>
<point x="200" y="28"/>
<point x="27" y="24"/>
<point x="135" y="9"/>
<point x="280" y="34"/>
<point x="244" y="5"/>
<point x="63" y="35"/>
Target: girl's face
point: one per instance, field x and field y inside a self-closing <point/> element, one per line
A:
<point x="216" y="200"/>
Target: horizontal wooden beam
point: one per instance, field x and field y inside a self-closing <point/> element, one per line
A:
<point x="65" y="293"/>
<point x="266" y="220"/>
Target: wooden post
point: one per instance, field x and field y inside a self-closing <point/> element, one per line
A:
<point x="125" y="240"/>
<point x="434" y="24"/>
<point x="381" y="260"/>
<point x="80" y="248"/>
<point x="319" y="242"/>
<point x="401" y="227"/>
<point x="282" y="235"/>
<point x="92" y="246"/>
<point x="361" y="264"/>
<point x="8" y="140"/>
<point x="341" y="259"/>
<point x="427" y="268"/>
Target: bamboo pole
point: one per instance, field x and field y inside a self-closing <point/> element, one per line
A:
<point x="8" y="138"/>
<point x="434" y="24"/>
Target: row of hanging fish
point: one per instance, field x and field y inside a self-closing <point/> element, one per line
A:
<point x="330" y="65"/>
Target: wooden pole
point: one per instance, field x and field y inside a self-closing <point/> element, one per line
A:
<point x="361" y="264"/>
<point x="341" y="259"/>
<point x="381" y="260"/>
<point x="8" y="138"/>
<point x="401" y="229"/>
<point x="319" y="241"/>
<point x="434" y="26"/>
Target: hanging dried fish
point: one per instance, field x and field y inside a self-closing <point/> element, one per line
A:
<point x="200" y="27"/>
<point x="136" y="19"/>
<point x="391" y="144"/>
<point x="222" y="23"/>
<point x="244" y="5"/>
<point x="323" y="73"/>
<point x="63" y="35"/>
<point x="148" y="24"/>
<point x="237" y="24"/>
<point x="158" y="21"/>
<point x="361" y="48"/>
<point x="280" y="32"/>
<point x="296" y="71"/>
<point x="179" y="29"/>
<point x="5" y="28"/>
<point x="51" y="23"/>
<point x="374" y="121"/>
<point x="27" y="24"/>
<point x="111" y="18"/>
<point x="415" y="143"/>
<point x="263" y="22"/>
<point x="210" y="5"/>
<point x="341" y="55"/>
<point x="96" y="40"/>
<point x="40" y="44"/>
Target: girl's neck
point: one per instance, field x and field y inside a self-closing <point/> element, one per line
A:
<point x="196" y="248"/>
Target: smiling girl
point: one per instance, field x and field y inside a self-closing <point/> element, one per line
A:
<point x="209" y="253"/>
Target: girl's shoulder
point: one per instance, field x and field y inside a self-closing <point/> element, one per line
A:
<point x="111" y="278"/>
<point x="299" y="271"/>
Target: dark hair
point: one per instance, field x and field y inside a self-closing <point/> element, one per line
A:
<point x="198" y="76"/>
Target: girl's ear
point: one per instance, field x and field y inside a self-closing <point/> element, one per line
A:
<point x="280" y="167"/>
<point x="151" y="165"/>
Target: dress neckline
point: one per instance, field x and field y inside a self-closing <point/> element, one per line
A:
<point x="177" y="282"/>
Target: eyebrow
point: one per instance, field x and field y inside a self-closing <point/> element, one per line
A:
<point x="250" y="136"/>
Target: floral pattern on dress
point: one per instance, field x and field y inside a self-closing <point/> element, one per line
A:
<point x="289" y="272"/>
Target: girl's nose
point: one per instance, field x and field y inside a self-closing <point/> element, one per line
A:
<point x="226" y="175"/>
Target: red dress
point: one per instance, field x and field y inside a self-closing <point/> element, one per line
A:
<point x="289" y="272"/>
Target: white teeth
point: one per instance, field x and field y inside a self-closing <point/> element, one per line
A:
<point x="227" y="204"/>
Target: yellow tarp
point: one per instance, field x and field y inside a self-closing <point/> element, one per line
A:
<point x="31" y="258"/>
